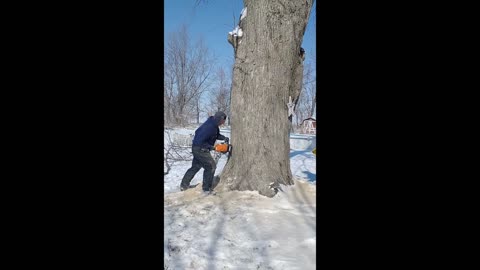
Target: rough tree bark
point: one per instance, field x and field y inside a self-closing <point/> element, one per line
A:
<point x="268" y="69"/>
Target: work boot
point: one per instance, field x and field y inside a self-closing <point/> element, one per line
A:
<point x="208" y="192"/>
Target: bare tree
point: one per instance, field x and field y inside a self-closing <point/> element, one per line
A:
<point x="306" y="102"/>
<point x="187" y="68"/>
<point x="169" y="94"/>
<point x="176" y="149"/>
<point x="268" y="70"/>
<point x="220" y="93"/>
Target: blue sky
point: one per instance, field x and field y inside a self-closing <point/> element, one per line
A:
<point x="213" y="19"/>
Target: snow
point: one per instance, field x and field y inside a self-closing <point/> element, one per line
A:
<point x="236" y="32"/>
<point x="242" y="230"/>
<point x="240" y="32"/>
<point x="243" y="13"/>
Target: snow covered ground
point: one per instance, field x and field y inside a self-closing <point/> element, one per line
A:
<point x="240" y="230"/>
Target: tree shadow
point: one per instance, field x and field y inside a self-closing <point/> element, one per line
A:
<point x="312" y="177"/>
<point x="310" y="220"/>
<point x="219" y="238"/>
<point x="294" y="153"/>
<point x="218" y="233"/>
<point x="170" y="249"/>
<point x="305" y="207"/>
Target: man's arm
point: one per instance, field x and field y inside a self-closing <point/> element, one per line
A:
<point x="220" y="136"/>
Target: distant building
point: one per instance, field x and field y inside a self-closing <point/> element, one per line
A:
<point x="309" y="126"/>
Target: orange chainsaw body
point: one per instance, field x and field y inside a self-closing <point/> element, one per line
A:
<point x="222" y="148"/>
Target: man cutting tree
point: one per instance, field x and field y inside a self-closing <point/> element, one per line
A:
<point x="203" y="143"/>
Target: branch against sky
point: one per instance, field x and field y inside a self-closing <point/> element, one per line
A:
<point x="188" y="66"/>
<point x="198" y="2"/>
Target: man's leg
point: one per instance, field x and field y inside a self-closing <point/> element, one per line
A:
<point x="187" y="178"/>
<point x="208" y="164"/>
<point x="208" y="173"/>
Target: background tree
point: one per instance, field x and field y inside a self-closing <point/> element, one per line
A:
<point x="268" y="70"/>
<point x="187" y="68"/>
<point x="306" y="103"/>
<point x="220" y="93"/>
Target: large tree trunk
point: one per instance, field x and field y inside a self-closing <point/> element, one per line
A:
<point x="268" y="69"/>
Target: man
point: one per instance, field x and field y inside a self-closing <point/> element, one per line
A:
<point x="203" y="143"/>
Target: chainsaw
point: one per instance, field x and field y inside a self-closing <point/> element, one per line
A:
<point x="224" y="148"/>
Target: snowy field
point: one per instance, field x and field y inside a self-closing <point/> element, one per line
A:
<point x="239" y="230"/>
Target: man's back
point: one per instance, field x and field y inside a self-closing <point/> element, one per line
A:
<point x="206" y="134"/>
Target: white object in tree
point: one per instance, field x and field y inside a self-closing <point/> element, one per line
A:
<point x="235" y="31"/>
<point x="243" y="13"/>
<point x="290" y="106"/>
